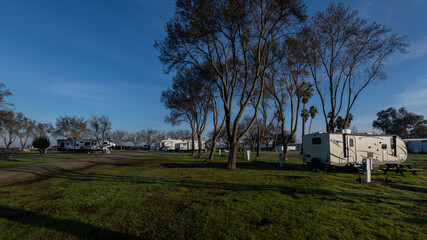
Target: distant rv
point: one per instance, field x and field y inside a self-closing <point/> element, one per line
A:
<point x="346" y="149"/>
<point x="83" y="145"/>
<point x="179" y="145"/>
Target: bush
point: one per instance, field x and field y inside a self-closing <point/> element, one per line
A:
<point x="41" y="142"/>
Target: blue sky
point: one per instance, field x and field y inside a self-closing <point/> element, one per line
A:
<point x="97" y="57"/>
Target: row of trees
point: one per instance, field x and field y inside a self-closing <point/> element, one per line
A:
<point x="17" y="126"/>
<point x="256" y="60"/>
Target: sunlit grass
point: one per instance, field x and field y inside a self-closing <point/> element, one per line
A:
<point x="176" y="196"/>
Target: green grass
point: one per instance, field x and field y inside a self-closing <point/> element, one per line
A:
<point x="18" y="159"/>
<point x="175" y="196"/>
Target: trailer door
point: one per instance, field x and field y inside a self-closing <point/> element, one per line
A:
<point x="351" y="143"/>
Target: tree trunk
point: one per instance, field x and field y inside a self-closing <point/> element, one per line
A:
<point x="232" y="159"/>
<point x="192" y="142"/>
<point x="258" y="150"/>
<point x="309" y="129"/>
<point x="214" y="140"/>
<point x="199" y="154"/>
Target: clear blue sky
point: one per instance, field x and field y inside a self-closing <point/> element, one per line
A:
<point x="97" y="57"/>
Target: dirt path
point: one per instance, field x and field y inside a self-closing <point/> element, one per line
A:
<point x="11" y="175"/>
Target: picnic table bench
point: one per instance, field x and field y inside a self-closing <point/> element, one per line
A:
<point x="400" y="168"/>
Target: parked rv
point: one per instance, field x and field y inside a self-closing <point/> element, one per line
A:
<point x="83" y="145"/>
<point x="346" y="149"/>
<point x="179" y="145"/>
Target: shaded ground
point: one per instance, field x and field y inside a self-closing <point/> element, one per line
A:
<point x="44" y="170"/>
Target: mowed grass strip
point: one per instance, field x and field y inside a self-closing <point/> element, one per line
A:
<point x="176" y="196"/>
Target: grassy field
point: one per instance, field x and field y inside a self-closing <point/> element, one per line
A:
<point x="175" y="196"/>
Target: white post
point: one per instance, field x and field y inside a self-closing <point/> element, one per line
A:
<point x="368" y="170"/>
<point x="248" y="152"/>
<point x="219" y="152"/>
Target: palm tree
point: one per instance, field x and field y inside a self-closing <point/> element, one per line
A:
<point x="306" y="93"/>
<point x="312" y="111"/>
<point x="304" y="115"/>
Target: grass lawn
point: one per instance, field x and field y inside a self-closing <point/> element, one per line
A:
<point x="18" y="159"/>
<point x="176" y="196"/>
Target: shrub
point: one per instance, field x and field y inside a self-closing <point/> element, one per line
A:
<point x="41" y="142"/>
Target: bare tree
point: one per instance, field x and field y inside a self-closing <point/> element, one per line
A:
<point x="43" y="129"/>
<point x="345" y="55"/>
<point x="100" y="126"/>
<point x="71" y="127"/>
<point x="151" y="136"/>
<point x="4" y="92"/>
<point x="120" y="136"/>
<point x="188" y="101"/>
<point x="9" y="127"/>
<point x="286" y="83"/>
<point x="179" y="134"/>
<point x="26" y="129"/>
<point x="136" y="138"/>
<point x="264" y="122"/>
<point x="236" y="39"/>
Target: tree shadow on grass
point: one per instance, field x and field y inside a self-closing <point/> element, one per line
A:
<point x="72" y="227"/>
<point x="251" y="165"/>
<point x="295" y="192"/>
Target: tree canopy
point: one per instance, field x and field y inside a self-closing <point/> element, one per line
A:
<point x="401" y="122"/>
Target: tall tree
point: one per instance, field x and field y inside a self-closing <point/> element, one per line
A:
<point x="9" y="127"/>
<point x="401" y="122"/>
<point x="43" y="129"/>
<point x="287" y="85"/>
<point x="341" y="123"/>
<point x="345" y="55"/>
<point x="307" y="93"/>
<point x="188" y="101"/>
<point x="100" y="126"/>
<point x="313" y="112"/>
<point x="120" y="136"/>
<point x="236" y="38"/>
<point x="26" y="129"/>
<point x="136" y="138"/>
<point x="71" y="127"/>
<point x="264" y="122"/>
<point x="4" y="92"/>
<point x="151" y="136"/>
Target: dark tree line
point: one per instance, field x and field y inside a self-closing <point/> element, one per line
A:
<point x="401" y="122"/>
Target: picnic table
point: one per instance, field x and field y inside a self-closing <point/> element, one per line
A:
<point x="400" y="168"/>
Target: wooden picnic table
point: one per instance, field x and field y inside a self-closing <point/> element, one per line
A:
<point x="400" y="168"/>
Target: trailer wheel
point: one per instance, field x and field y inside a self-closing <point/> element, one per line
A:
<point x="318" y="165"/>
<point x="165" y="149"/>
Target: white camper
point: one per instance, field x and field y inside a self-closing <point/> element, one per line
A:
<point x="346" y="149"/>
<point x="179" y="145"/>
<point x="82" y="145"/>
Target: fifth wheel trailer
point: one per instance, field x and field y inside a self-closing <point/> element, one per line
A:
<point x="179" y="145"/>
<point x="82" y="145"/>
<point x="346" y="149"/>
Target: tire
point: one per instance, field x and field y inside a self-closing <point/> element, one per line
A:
<point x="165" y="149"/>
<point x="318" y="165"/>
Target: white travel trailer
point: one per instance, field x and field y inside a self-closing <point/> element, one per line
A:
<point x="82" y="145"/>
<point x="346" y="149"/>
<point x="178" y="145"/>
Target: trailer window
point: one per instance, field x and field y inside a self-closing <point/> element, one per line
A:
<point x="351" y="143"/>
<point x="87" y="143"/>
<point x="316" y="141"/>
<point x="384" y="146"/>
